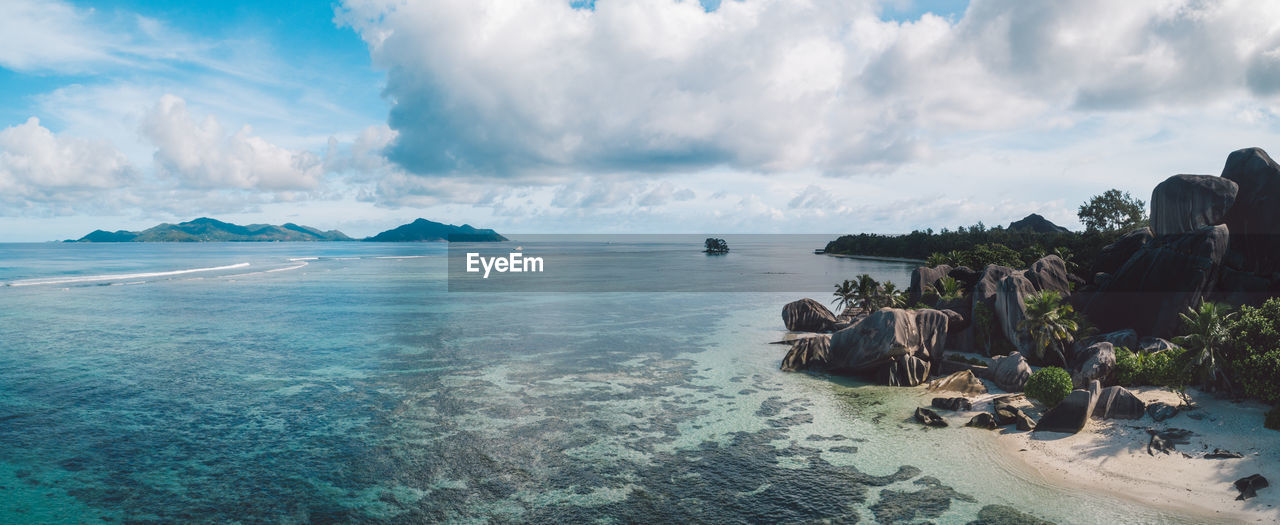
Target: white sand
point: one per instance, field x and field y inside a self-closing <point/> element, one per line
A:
<point x="1110" y="456"/>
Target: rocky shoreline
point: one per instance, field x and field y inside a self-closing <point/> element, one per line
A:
<point x="1210" y="239"/>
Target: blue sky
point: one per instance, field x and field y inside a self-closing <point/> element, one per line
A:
<point x="617" y="115"/>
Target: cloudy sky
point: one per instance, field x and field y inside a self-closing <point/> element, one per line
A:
<point x="645" y="116"/>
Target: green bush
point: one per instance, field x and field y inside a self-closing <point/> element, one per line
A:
<point x="1049" y="385"/>
<point x="1256" y="375"/>
<point x="1252" y="352"/>
<point x="1168" y="368"/>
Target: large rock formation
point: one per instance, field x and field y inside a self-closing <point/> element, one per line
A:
<point x="1186" y="203"/>
<point x="1095" y="362"/>
<point x="1117" y="402"/>
<point x="810" y="353"/>
<point x="1071" y="415"/>
<point x="1050" y="273"/>
<point x="807" y="315"/>
<point x="923" y="279"/>
<point x="1254" y="220"/>
<point x="896" y="346"/>
<point x="1114" y="255"/>
<point x="1011" y="310"/>
<point x="1011" y="372"/>
<point x="1169" y="274"/>
<point x="962" y="382"/>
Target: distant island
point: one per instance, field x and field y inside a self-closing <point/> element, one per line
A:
<point x="205" y="229"/>
<point x="423" y="230"/>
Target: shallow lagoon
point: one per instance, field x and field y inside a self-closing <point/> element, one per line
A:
<point x="356" y="388"/>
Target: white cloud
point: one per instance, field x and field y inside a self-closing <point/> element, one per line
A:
<point x="46" y="174"/>
<point x="203" y="155"/>
<point x="530" y="86"/>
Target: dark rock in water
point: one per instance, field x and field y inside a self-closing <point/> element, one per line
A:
<point x="1155" y="345"/>
<point x="1011" y="310"/>
<point x="1071" y="415"/>
<point x="966" y="275"/>
<point x="1114" y="255"/>
<point x="1164" y="440"/>
<point x="929" y="417"/>
<point x="1254" y="220"/>
<point x="905" y="370"/>
<point x="1117" y="402"/>
<point x="962" y="382"/>
<point x="983" y="420"/>
<point x="1050" y="273"/>
<point x="1097" y="362"/>
<point x="807" y="315"/>
<point x="952" y="403"/>
<point x="1223" y="454"/>
<point x="895" y="506"/>
<point x="1164" y="278"/>
<point x="1186" y="203"/>
<point x="923" y="281"/>
<point x="1161" y="411"/>
<point x="1002" y="515"/>
<point x="1011" y="372"/>
<point x="1249" y="486"/>
<point x="810" y="353"/>
<point x="1034" y="223"/>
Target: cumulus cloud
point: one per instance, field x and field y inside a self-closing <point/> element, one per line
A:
<point x="778" y="85"/>
<point x="203" y="155"/>
<point x="44" y="173"/>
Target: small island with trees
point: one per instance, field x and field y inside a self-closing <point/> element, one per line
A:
<point x="715" y="246"/>
<point x="1170" y="321"/>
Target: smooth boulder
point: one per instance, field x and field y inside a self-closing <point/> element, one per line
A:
<point x="1249" y="485"/>
<point x="807" y="315"/>
<point x="1161" y="411"/>
<point x="983" y="420"/>
<point x="951" y="403"/>
<point x="1117" y="402"/>
<point x="1011" y="310"/>
<point x="929" y="417"/>
<point x="1155" y="345"/>
<point x="1186" y="203"/>
<point x="1010" y="372"/>
<point x="1254" y="220"/>
<point x="924" y="280"/>
<point x="1050" y="273"/>
<point x="810" y="353"/>
<point x="1072" y="414"/>
<point x="1095" y="362"/>
<point x="905" y="370"/>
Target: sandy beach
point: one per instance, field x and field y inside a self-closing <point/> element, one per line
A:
<point x="1110" y="456"/>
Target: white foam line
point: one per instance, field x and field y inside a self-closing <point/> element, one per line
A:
<point x="296" y="259"/>
<point x="286" y="269"/>
<point x="346" y="258"/>
<point x="401" y="257"/>
<point x="94" y="278"/>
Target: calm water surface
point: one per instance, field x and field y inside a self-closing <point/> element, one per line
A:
<point x="343" y="383"/>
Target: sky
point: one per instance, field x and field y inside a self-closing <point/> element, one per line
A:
<point x="626" y="116"/>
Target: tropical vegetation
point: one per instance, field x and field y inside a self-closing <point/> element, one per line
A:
<point x="1051" y="325"/>
<point x="716" y="246"/>
<point x="1048" y="385"/>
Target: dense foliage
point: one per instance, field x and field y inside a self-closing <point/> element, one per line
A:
<point x="1049" y="385"/>
<point x="1113" y="211"/>
<point x="1207" y="329"/>
<point x="1166" y="369"/>
<point x="868" y="294"/>
<point x="1051" y="324"/>
<point x="1252" y="350"/>
<point x="715" y="245"/>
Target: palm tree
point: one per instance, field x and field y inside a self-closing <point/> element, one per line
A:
<point x="866" y="291"/>
<point x="1207" y="334"/>
<point x="947" y="288"/>
<point x="893" y="297"/>
<point x="846" y="295"/>
<point x="1050" y="324"/>
<point x="1067" y="258"/>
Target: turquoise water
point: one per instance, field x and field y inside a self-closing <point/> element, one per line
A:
<point x="343" y="383"/>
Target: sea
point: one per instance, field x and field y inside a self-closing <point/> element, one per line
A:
<point x="351" y="383"/>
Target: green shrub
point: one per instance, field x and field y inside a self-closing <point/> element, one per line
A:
<point x="1252" y="352"/>
<point x="1168" y="368"/>
<point x="1049" y="385"/>
<point x="1256" y="375"/>
<point x="1273" y="418"/>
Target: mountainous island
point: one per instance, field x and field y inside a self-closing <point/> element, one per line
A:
<point x="205" y="229"/>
